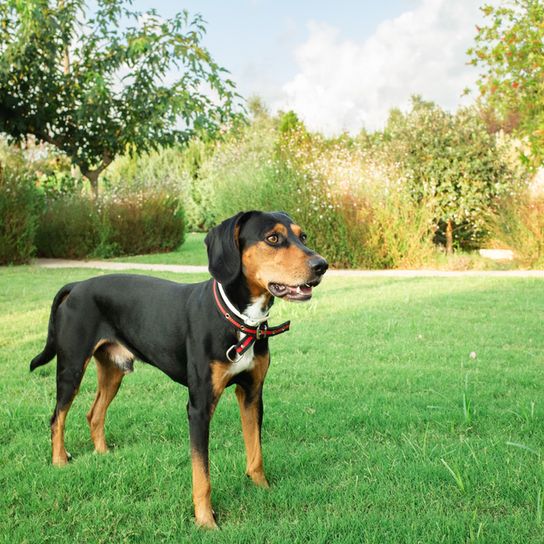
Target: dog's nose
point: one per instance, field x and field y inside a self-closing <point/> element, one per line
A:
<point x="318" y="265"/>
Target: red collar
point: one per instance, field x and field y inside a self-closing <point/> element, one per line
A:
<point x="250" y="334"/>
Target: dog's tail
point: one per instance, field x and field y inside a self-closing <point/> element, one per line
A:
<point x="50" y="349"/>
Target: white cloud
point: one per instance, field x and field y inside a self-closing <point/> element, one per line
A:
<point x="345" y="84"/>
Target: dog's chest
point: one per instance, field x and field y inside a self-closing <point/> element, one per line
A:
<point x="245" y="362"/>
<point x="254" y="312"/>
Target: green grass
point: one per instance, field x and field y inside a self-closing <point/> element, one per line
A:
<point x="191" y="252"/>
<point x="379" y="426"/>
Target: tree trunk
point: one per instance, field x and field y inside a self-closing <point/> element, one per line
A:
<point x="66" y="61"/>
<point x="92" y="176"/>
<point x="449" y="237"/>
<point x="66" y="55"/>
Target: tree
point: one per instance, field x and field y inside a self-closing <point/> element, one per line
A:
<point x="451" y="162"/>
<point x="115" y="81"/>
<point x="509" y="49"/>
<point x="288" y="122"/>
<point x="257" y="107"/>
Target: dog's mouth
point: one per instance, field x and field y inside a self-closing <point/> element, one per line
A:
<point x="299" y="293"/>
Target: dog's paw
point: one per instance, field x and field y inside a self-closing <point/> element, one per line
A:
<point x="206" y="521"/>
<point x="259" y="479"/>
<point x="62" y="460"/>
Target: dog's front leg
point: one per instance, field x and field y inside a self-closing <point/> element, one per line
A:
<point x="199" y="412"/>
<point x="204" y="392"/>
<point x="249" y="394"/>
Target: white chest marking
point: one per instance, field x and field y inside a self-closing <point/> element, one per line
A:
<point x="254" y="312"/>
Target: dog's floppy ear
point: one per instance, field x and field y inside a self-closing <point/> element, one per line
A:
<point x="224" y="259"/>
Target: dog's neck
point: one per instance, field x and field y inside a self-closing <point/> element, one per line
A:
<point x="253" y="306"/>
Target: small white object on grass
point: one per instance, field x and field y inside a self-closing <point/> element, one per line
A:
<point x="497" y="254"/>
<point x="472" y="355"/>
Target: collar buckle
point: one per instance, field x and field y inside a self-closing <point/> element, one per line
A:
<point x="260" y="331"/>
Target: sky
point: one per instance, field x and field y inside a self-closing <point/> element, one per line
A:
<point x="342" y="65"/>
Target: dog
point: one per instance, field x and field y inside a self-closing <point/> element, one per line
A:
<point x="206" y="336"/>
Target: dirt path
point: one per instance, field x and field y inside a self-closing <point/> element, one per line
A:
<point x="187" y="269"/>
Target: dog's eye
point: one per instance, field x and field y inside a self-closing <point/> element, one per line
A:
<point x="273" y="239"/>
<point x="303" y="237"/>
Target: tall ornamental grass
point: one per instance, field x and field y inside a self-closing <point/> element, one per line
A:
<point x="18" y="211"/>
<point x="351" y="207"/>
<point x="519" y="224"/>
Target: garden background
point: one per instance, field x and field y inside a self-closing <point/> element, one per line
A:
<point x="102" y="155"/>
<point x="398" y="409"/>
<point x="374" y="200"/>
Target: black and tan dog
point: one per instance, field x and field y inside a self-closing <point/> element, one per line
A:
<point x="206" y="336"/>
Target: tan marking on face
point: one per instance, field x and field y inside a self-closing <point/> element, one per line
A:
<point x="249" y="415"/>
<point x="263" y="264"/>
<point x="202" y="491"/>
<point x="250" y="265"/>
<point x="280" y="228"/>
<point x="297" y="230"/>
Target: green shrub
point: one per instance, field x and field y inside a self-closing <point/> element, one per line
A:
<point x="519" y="224"/>
<point x="76" y="226"/>
<point x="157" y="170"/>
<point x="60" y="184"/>
<point x="351" y="224"/>
<point x="18" y="214"/>
<point x="142" y="223"/>
<point x="375" y="201"/>
<point x="288" y="122"/>
<point x="452" y="161"/>
<point x="69" y="227"/>
<point x="240" y="175"/>
<point x="174" y="170"/>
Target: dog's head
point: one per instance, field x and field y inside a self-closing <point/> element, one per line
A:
<point x="269" y="250"/>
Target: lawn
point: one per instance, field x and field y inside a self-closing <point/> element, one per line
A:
<point x="191" y="252"/>
<point x="379" y="425"/>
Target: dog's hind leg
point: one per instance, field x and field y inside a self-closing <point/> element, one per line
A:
<point x="109" y="380"/>
<point x="69" y="375"/>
